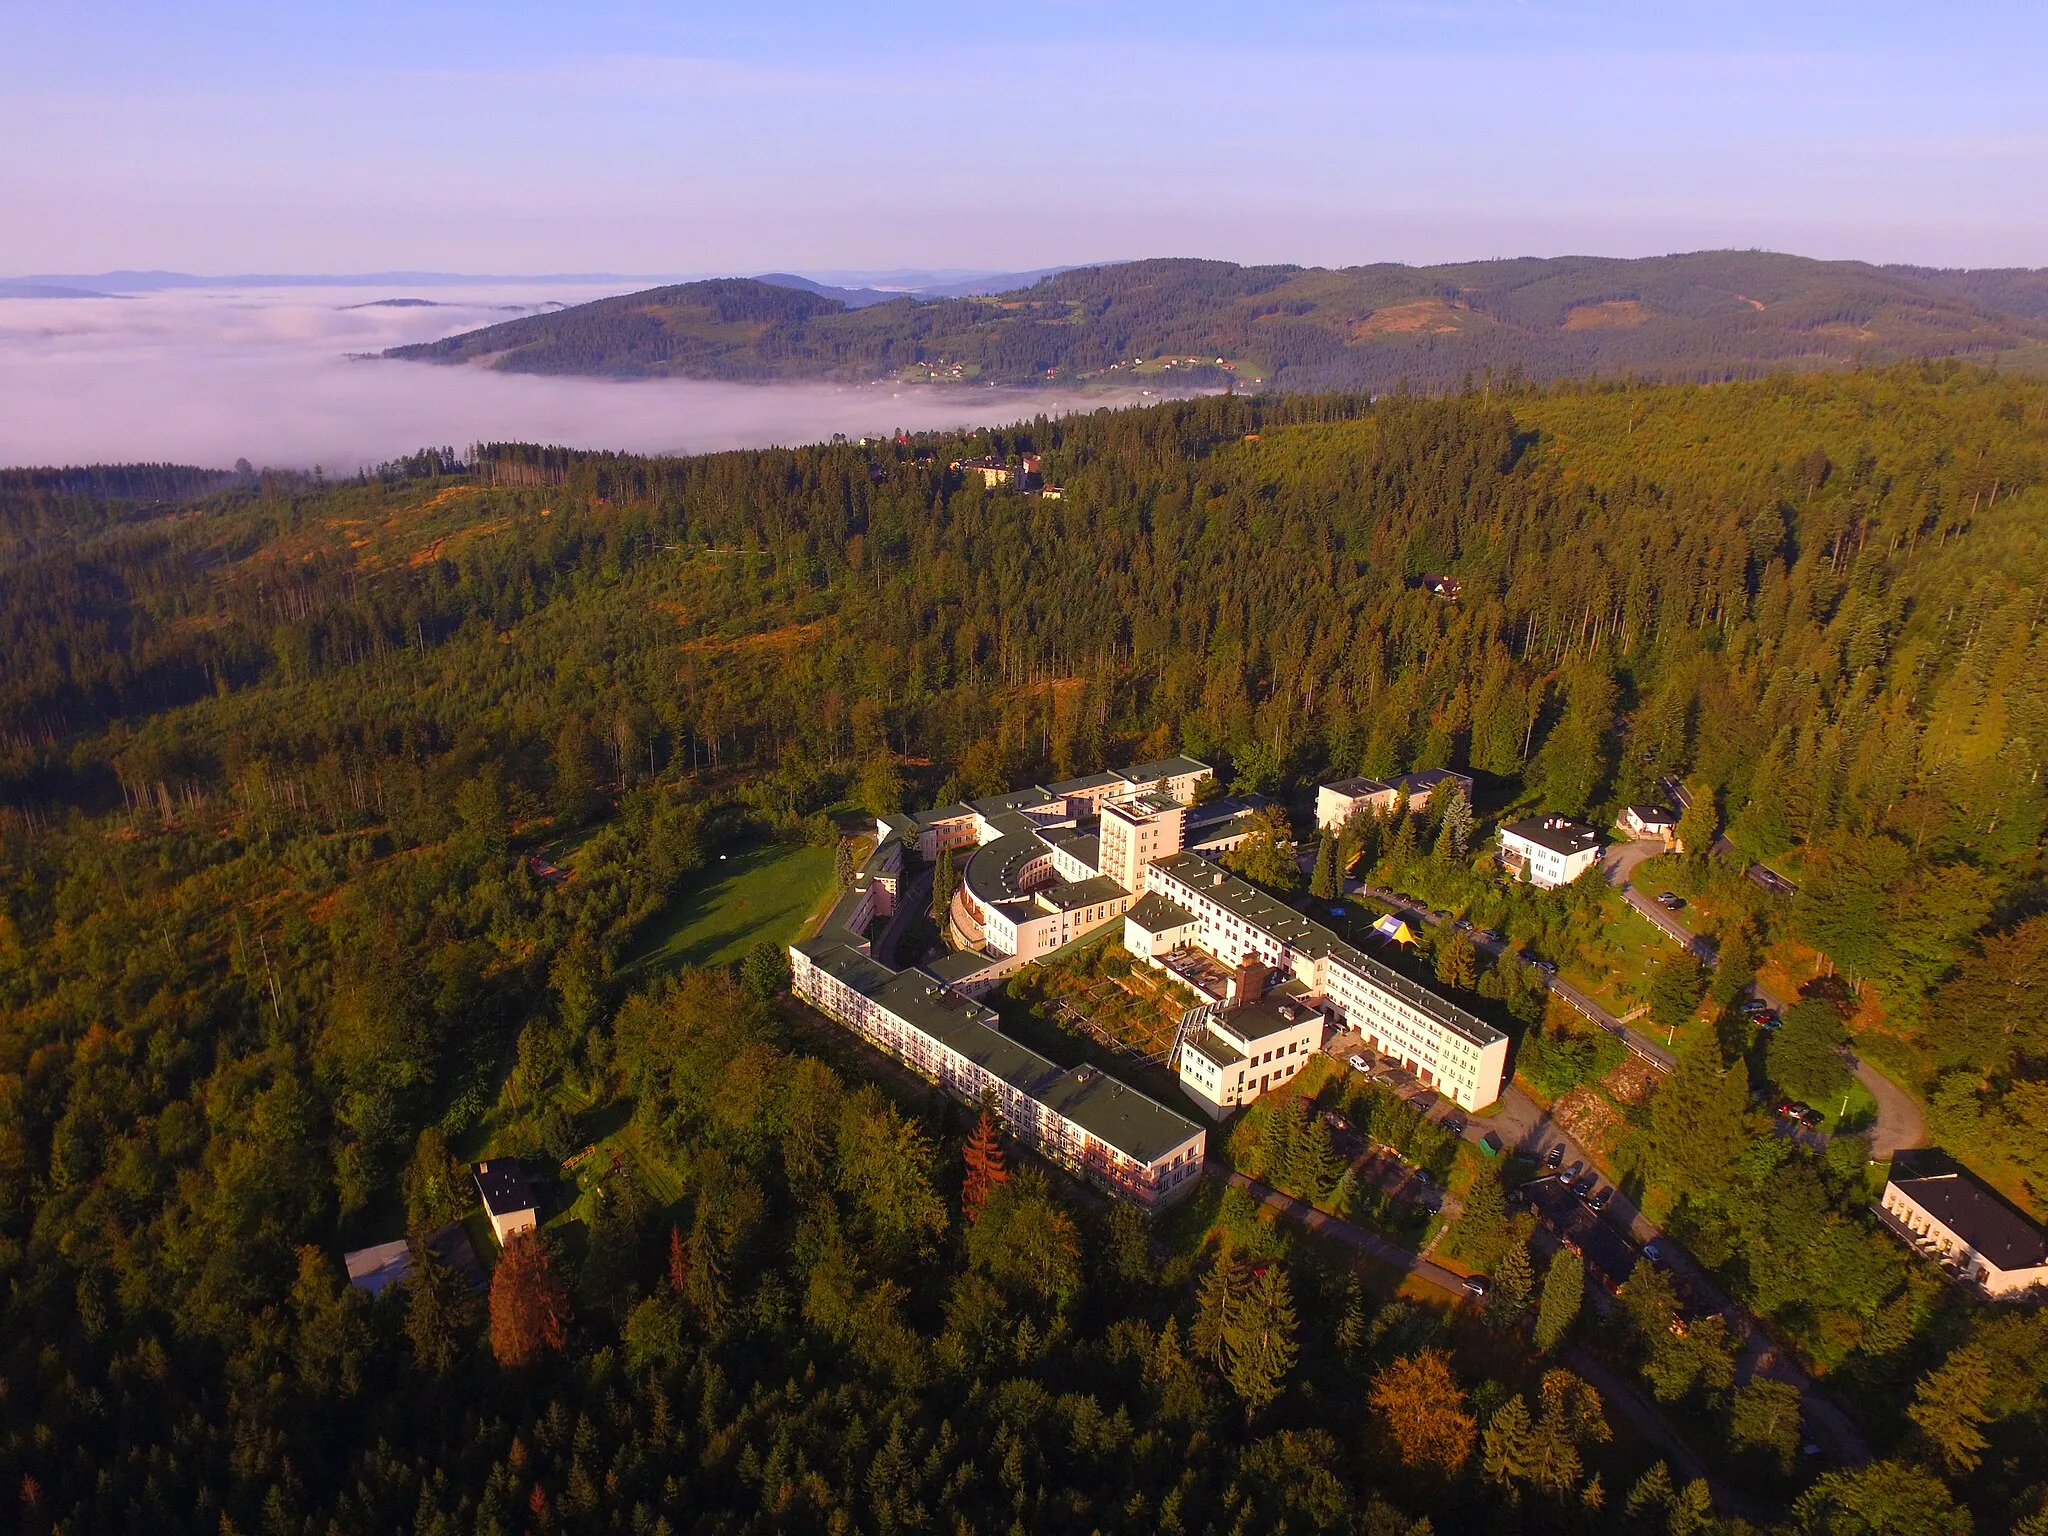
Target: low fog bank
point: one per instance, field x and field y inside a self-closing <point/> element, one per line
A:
<point x="211" y="376"/>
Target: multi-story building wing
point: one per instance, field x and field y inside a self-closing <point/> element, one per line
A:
<point x="1462" y="1056"/>
<point x="1091" y="1124"/>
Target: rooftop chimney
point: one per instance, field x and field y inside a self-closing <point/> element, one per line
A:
<point x="1251" y="980"/>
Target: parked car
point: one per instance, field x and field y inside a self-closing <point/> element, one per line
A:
<point x="1588" y="1181"/>
<point x="1755" y="1005"/>
<point x="1571" y="1175"/>
<point x="1809" y="1117"/>
<point x="1650" y="1252"/>
<point x="1670" y="901"/>
<point x="1768" y="1019"/>
<point x="1358" y="1062"/>
<point x="1491" y="935"/>
<point x="1556" y="1157"/>
<point x="1455" y="1124"/>
<point x="1600" y="1199"/>
<point x="1475" y="1286"/>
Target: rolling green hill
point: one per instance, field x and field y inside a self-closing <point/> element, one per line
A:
<point x="1710" y="315"/>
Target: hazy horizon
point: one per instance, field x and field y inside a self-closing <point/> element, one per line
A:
<point x="625" y="137"/>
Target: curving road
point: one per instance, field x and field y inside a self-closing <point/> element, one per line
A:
<point x="1899" y="1122"/>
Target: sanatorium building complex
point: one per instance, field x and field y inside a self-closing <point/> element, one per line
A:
<point x="1046" y="865"/>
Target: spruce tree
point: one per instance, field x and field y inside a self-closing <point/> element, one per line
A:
<point x="1326" y="884"/>
<point x="1513" y="1279"/>
<point x="1564" y="1288"/>
<point x="1216" y="1303"/>
<point x="944" y="882"/>
<point x="842" y="866"/>
<point x="985" y="1170"/>
<point x="1259" y="1340"/>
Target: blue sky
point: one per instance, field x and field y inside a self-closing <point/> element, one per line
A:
<point x="690" y="138"/>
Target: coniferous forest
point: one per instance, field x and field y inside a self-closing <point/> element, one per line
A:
<point x="334" y="816"/>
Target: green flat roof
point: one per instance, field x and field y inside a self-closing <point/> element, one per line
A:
<point x="847" y="965"/>
<point x="1275" y="918"/>
<point x="1222" y="1052"/>
<point x="1156" y="913"/>
<point x="1136" y="1126"/>
<point x="926" y="1003"/>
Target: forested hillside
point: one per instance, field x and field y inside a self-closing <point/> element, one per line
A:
<point x="1711" y="315"/>
<point x="288" y="768"/>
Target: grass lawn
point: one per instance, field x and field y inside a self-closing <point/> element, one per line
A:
<point x="767" y="892"/>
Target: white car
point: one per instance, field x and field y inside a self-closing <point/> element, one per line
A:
<point x="1359" y="1063"/>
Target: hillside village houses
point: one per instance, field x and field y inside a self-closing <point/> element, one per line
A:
<point x="1046" y="865"/>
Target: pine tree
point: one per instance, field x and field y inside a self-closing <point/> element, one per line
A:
<point x="1326" y="884"/>
<point x="1564" y="1288"/>
<point x="1402" y="850"/>
<point x="1950" y="1403"/>
<point x="842" y="866"/>
<point x="1259" y="1339"/>
<point x="944" y="882"/>
<point x="1351" y="1330"/>
<point x="440" y="1312"/>
<point x="1455" y="834"/>
<point x="529" y="1303"/>
<point x="1315" y="1167"/>
<point x="705" y="1285"/>
<point x="1216" y="1305"/>
<point x="985" y="1169"/>
<point x="1513" y="1278"/>
<point x="1505" y="1450"/>
<point x="1697" y="1128"/>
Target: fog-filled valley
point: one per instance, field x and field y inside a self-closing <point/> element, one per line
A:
<point x="279" y="376"/>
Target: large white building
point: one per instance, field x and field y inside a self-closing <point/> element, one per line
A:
<point x="1204" y="907"/>
<point x="1089" y="1123"/>
<point x="1050" y="864"/>
<point x="1548" y="850"/>
<point x="1952" y="1217"/>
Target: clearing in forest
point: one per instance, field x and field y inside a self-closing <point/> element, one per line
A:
<point x="766" y="892"/>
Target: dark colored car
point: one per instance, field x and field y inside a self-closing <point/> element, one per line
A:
<point x="1556" y="1157"/>
<point x="1600" y="1199"/>
<point x="1671" y="901"/>
<point x="1755" y="1005"/>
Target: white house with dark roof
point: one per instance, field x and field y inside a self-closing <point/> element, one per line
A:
<point x="1954" y="1218"/>
<point x="508" y="1197"/>
<point x="1643" y="822"/>
<point x="1548" y="851"/>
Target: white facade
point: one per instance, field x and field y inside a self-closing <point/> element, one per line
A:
<point x="1248" y="1051"/>
<point x="1461" y="1056"/>
<point x="1088" y="1123"/>
<point x="1548" y="851"/>
<point x="1957" y="1222"/>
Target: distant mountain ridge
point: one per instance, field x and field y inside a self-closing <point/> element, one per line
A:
<point x="1710" y="314"/>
